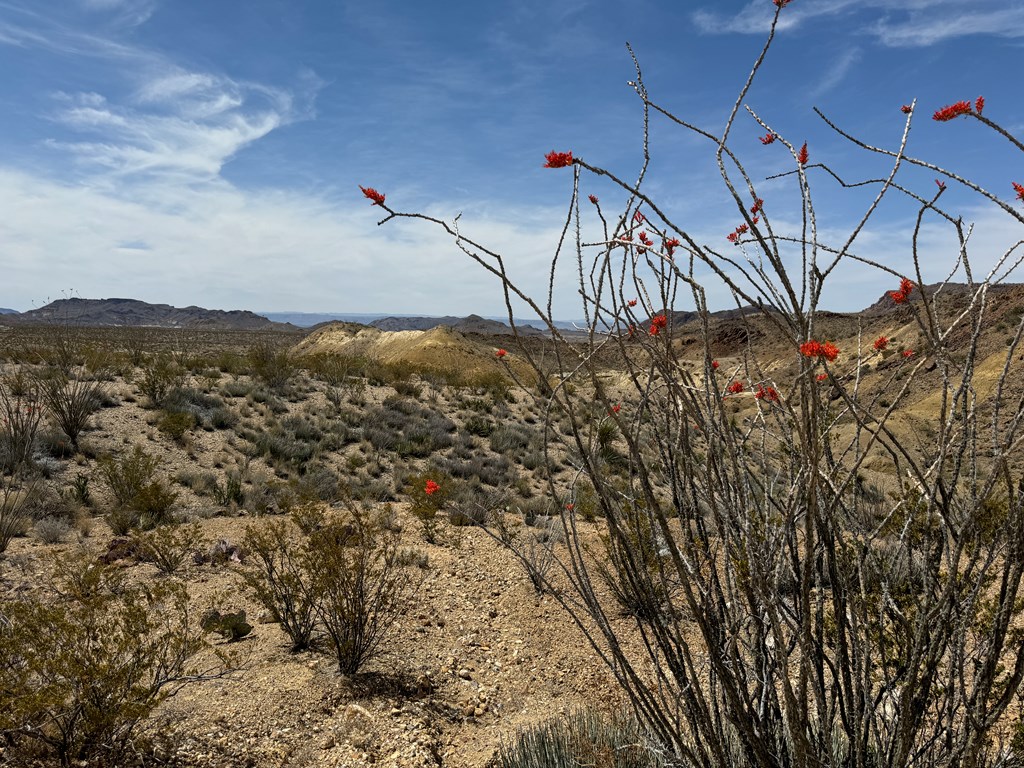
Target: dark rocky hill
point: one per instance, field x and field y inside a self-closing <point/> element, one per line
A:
<point x="131" y="312"/>
<point x="468" y="324"/>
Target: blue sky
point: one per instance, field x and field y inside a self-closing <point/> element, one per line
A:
<point x="209" y="153"/>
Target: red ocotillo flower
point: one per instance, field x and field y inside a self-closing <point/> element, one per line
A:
<point x="952" y="111"/>
<point x="821" y="377"/>
<point x="615" y="408"/>
<point x="735" y="388"/>
<point x="756" y="208"/>
<point x="658" y="322"/>
<point x="906" y="109"/>
<point x="644" y="238"/>
<point x="898" y="297"/>
<point x="979" y="104"/>
<point x="593" y="199"/>
<point x="768" y="138"/>
<point x="802" y="156"/>
<point x="638" y="217"/>
<point x="558" y="159"/>
<point x="715" y="364"/>
<point x="671" y="244"/>
<point x="767" y="393"/>
<point x="908" y="353"/>
<point x="782" y="3"/>
<point x="881" y="343"/>
<point x="631" y="302"/>
<point x="906" y="286"/>
<point x="501" y="353"/>
<point x="431" y="488"/>
<point x="1019" y="189"/>
<point x="372" y="194"/>
<point x="812" y="348"/>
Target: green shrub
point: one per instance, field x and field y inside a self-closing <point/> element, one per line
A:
<point x="168" y="547"/>
<point x="359" y="585"/>
<point x="142" y="501"/>
<point x="176" y="424"/>
<point x="113" y="651"/>
<point x="161" y="375"/>
<point x="271" y="364"/>
<point x="281" y="581"/>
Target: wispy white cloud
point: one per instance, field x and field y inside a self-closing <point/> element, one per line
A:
<point x="182" y="125"/>
<point x="927" y="29"/>
<point x="905" y="23"/>
<point x="835" y="74"/>
<point x="129" y="13"/>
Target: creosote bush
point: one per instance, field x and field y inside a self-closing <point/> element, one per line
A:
<point x="85" y="661"/>
<point x="346" y="578"/>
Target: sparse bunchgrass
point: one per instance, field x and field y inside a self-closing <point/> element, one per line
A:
<point x="271" y="364"/>
<point x="20" y="414"/>
<point x="168" y="547"/>
<point x="408" y="429"/>
<point x="161" y="375"/>
<point x="582" y="738"/>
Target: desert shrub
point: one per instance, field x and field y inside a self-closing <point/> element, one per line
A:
<point x="176" y="424"/>
<point x="513" y="438"/>
<point x="168" y="547"/>
<point x="408" y="428"/>
<point x="359" y="585"/>
<point x="20" y="414"/>
<point x="142" y="500"/>
<point x="51" y="530"/>
<point x="222" y="418"/>
<point x="113" y="651"/>
<point x="71" y="402"/>
<point x="428" y="493"/>
<point x="161" y="375"/>
<point x="479" y="426"/>
<point x="584" y="737"/>
<point x="271" y="364"/>
<point x="229" y="491"/>
<point x="55" y="444"/>
<point x="15" y="518"/>
<point x="281" y="581"/>
<point x="237" y="388"/>
<point x="407" y="389"/>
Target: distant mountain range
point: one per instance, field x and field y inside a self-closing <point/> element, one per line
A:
<point x="4" y="311"/>
<point x="131" y="312"/>
<point x="396" y="322"/>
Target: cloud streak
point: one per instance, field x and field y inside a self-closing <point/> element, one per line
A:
<point x="915" y="23"/>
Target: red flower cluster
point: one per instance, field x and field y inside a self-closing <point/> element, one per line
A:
<point x="644" y="238"/>
<point x="372" y="194"/>
<point x="631" y="302"/>
<point x="615" y="408"/>
<point x="906" y="109"/>
<point x="768" y="138"/>
<point x="501" y="352"/>
<point x="658" y="322"/>
<point x="735" y="388"/>
<point x="715" y="364"/>
<point x="757" y="206"/>
<point x="813" y="348"/>
<point x="802" y="156"/>
<point x="592" y="198"/>
<point x="570" y="507"/>
<point x="671" y="244"/>
<point x="821" y="377"/>
<point x="940" y="184"/>
<point x="979" y="104"/>
<point x="1019" y="189"/>
<point x="881" y="343"/>
<point x="558" y="159"/>
<point x="767" y="393"/>
<point x="900" y="296"/>
<point x="953" y="111"/>
<point x="908" y="353"/>
<point x="734" y="237"/>
<point x="639" y="217"/>
<point x="782" y="3"/>
<point x="431" y="488"/>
